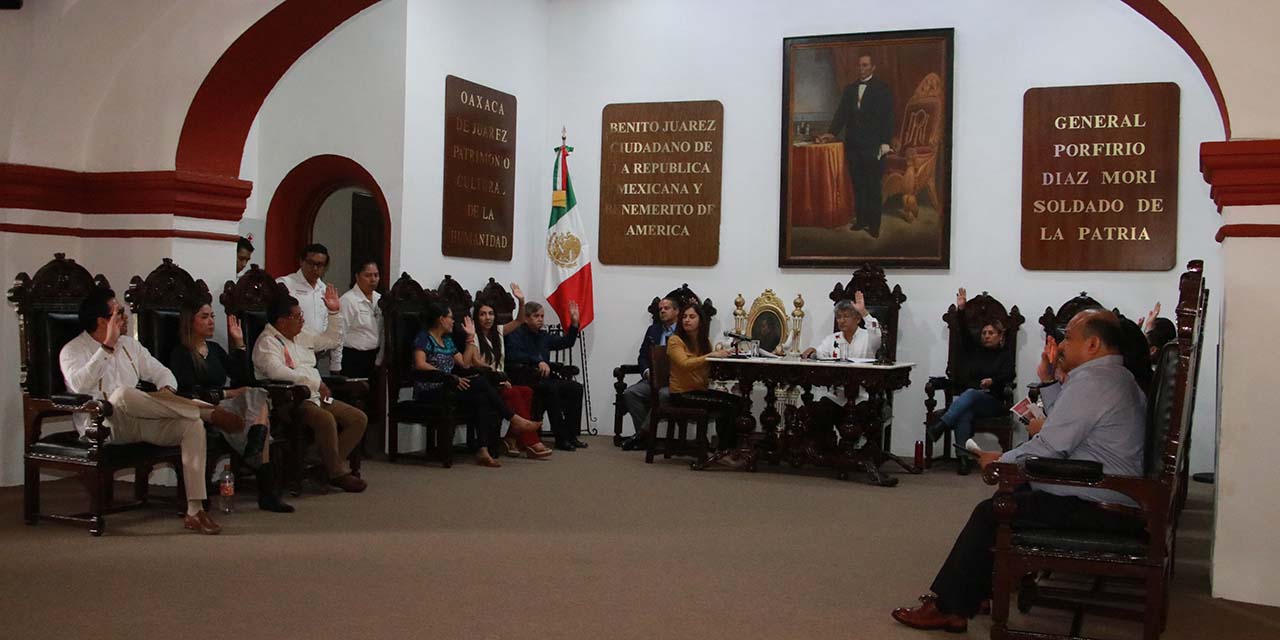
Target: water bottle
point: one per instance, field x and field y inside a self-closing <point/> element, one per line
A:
<point x="226" y="489"/>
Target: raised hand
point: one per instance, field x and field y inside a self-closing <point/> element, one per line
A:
<point x="860" y="303"/>
<point x="961" y="297"/>
<point x="234" y="333"/>
<point x="115" y="326"/>
<point x="331" y="300"/>
<point x="515" y="291"/>
<point x="469" y="327"/>
<point x="573" y="311"/>
<point x="1150" y="322"/>
<point x="1045" y="370"/>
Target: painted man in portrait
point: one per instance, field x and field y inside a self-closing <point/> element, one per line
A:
<point x="865" y="117"/>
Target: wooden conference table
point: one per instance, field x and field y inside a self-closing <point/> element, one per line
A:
<point x="799" y="443"/>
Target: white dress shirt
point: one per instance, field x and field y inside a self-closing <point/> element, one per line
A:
<point x="271" y="363"/>
<point x="88" y="368"/>
<point x="310" y="299"/>
<point x="362" y="325"/>
<point x="865" y="343"/>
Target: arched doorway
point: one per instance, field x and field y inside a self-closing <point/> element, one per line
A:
<point x="291" y="216"/>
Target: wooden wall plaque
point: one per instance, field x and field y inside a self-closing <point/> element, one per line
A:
<point x="660" y="169"/>
<point x="479" y="171"/>
<point x="1100" y="177"/>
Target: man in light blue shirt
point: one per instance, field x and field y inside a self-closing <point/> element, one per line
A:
<point x="1098" y="414"/>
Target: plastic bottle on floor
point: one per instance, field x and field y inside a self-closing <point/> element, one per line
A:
<point x="226" y="490"/>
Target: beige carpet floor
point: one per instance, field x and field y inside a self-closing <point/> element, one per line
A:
<point x="592" y="544"/>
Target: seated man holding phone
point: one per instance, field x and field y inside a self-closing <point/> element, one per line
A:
<point x="286" y="351"/>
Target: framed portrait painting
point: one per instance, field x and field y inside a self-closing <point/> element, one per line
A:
<point x="866" y="150"/>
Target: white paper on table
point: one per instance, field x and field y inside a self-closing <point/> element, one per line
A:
<point x="861" y="360"/>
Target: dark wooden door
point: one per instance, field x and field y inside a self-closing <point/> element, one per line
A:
<point x="367" y="232"/>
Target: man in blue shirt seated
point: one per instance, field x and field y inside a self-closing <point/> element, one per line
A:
<point x="636" y="397"/>
<point x="1098" y="414"/>
<point x="528" y="354"/>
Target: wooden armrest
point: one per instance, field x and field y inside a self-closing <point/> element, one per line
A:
<point x="1083" y="470"/>
<point x="935" y="383"/>
<point x="625" y="370"/>
<point x="1010" y="476"/>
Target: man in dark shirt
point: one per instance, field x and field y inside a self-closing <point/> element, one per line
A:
<point x="865" y="116"/>
<point x="528" y="352"/>
<point x="636" y="397"/>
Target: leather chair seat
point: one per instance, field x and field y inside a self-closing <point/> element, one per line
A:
<point x="67" y="444"/>
<point x="1134" y="544"/>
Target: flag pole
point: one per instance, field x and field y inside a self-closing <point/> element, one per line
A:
<point x="582" y="339"/>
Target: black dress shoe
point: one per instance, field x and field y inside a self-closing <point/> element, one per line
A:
<point x="965" y="465"/>
<point x="578" y="443"/>
<point x="633" y="443"/>
<point x="565" y="445"/>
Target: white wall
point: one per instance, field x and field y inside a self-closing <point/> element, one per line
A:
<point x="499" y="44"/>
<point x="732" y="52"/>
<point x="333" y="230"/>
<point x="345" y="96"/>
<point x="106" y="84"/>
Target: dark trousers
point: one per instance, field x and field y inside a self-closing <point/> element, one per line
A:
<point x="358" y="364"/>
<point x="481" y="404"/>
<point x="865" y="170"/>
<point x="561" y="402"/>
<point x="964" y="580"/>
<point x="724" y="406"/>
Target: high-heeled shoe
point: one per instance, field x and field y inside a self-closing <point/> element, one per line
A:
<point x="540" y="453"/>
<point x="510" y="449"/>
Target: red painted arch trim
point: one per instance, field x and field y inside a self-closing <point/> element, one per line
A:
<point x="223" y="109"/>
<point x="181" y="193"/>
<point x="1248" y="231"/>
<point x="292" y="212"/>
<point x="1242" y="172"/>
<point x="36" y="229"/>
<point x="1164" y="19"/>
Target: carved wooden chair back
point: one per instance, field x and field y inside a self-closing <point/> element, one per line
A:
<point x="979" y="311"/>
<point x="48" y="307"/>
<point x="458" y="299"/>
<point x="883" y="303"/>
<point x="403" y="309"/>
<point x="1055" y="322"/>
<point x="496" y="296"/>
<point x="249" y="300"/>
<point x="157" y="302"/>
<point x="683" y="295"/>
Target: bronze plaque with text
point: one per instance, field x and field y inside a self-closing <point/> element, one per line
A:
<point x="660" y="168"/>
<point x="479" y="171"/>
<point x="1100" y="177"/>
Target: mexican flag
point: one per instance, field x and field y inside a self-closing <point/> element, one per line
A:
<point x="568" y="274"/>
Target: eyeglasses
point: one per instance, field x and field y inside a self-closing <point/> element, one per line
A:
<point x="316" y="265"/>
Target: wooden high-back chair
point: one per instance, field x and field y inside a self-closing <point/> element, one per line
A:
<point x="683" y="295"/>
<point x="48" y="318"/>
<point x="678" y="418"/>
<point x="963" y="328"/>
<point x="885" y="305"/>
<point x="1146" y="556"/>
<point x="403" y="310"/>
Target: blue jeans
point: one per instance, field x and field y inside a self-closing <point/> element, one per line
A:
<point x="973" y="403"/>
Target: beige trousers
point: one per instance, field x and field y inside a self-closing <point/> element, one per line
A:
<point x="338" y="428"/>
<point x="165" y="420"/>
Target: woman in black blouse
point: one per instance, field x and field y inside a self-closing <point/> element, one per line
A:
<point x="988" y="369"/>
<point x="201" y="365"/>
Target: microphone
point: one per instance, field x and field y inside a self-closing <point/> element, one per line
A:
<point x="736" y="336"/>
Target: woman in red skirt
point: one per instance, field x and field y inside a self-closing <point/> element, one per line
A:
<point x="520" y="399"/>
